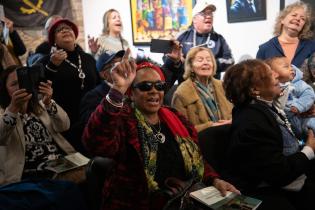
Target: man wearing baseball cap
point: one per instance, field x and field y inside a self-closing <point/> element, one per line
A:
<point x="202" y="34"/>
<point x="92" y="98"/>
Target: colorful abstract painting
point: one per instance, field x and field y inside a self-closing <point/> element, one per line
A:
<point x="159" y="19"/>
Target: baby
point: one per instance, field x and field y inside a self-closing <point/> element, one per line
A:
<point x="297" y="96"/>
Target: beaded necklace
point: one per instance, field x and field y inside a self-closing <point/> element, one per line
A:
<point x="79" y="69"/>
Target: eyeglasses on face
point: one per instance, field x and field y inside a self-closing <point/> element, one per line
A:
<point x="206" y="14"/>
<point x="63" y="28"/>
<point x="147" y="86"/>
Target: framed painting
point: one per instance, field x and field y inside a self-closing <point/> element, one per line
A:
<point x="245" y="10"/>
<point x="159" y="19"/>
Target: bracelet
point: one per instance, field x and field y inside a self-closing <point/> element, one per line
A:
<point x="9" y="120"/>
<point x="52" y="108"/>
<point x="115" y="104"/>
<point x="50" y="69"/>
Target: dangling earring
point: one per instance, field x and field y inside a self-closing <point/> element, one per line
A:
<point x="258" y="97"/>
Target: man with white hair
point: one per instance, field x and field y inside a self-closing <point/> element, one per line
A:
<point x="201" y="33"/>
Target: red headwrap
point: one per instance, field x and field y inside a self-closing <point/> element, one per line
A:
<point x="146" y="64"/>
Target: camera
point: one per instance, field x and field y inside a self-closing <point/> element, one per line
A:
<point x="29" y="78"/>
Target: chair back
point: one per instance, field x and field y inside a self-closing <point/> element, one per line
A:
<point x="213" y="143"/>
<point x="96" y="172"/>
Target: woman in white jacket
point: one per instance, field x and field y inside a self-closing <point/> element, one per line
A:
<point x="30" y="130"/>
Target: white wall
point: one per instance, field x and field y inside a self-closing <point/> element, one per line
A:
<point x="243" y="38"/>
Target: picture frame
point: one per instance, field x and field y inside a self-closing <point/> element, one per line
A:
<point x="242" y="11"/>
<point x="282" y="4"/>
<point x="159" y="19"/>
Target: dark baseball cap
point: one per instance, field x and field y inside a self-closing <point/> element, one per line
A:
<point x="106" y="57"/>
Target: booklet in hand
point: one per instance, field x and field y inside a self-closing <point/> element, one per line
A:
<point x="67" y="163"/>
<point x="212" y="198"/>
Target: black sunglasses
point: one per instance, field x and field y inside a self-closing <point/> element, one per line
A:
<point x="147" y="86"/>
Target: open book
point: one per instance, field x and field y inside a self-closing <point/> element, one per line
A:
<point x="67" y="163"/>
<point x="212" y="198"/>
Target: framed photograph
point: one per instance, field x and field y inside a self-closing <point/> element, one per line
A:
<point x="245" y="10"/>
<point x="159" y="19"/>
<point x="282" y="4"/>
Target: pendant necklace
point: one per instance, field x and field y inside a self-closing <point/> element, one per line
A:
<point x="282" y="119"/>
<point x="209" y="43"/>
<point x="157" y="133"/>
<point x="79" y="69"/>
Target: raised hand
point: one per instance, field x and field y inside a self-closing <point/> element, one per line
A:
<point x="47" y="91"/>
<point x="19" y="101"/>
<point x="58" y="56"/>
<point x="123" y="73"/>
<point x="176" y="53"/>
<point x="93" y="44"/>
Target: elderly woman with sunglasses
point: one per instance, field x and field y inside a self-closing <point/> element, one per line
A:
<point x="200" y="98"/>
<point x="149" y="142"/>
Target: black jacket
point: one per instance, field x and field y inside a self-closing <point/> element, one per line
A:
<point x="91" y="100"/>
<point x="255" y="154"/>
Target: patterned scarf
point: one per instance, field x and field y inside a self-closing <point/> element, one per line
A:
<point x="208" y="100"/>
<point x="190" y="151"/>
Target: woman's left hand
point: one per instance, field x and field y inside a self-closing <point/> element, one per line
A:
<point x="224" y="186"/>
<point x="47" y="91"/>
<point x="176" y="53"/>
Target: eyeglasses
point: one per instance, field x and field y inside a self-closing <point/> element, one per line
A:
<point x="205" y="14"/>
<point x="63" y="28"/>
<point x="147" y="86"/>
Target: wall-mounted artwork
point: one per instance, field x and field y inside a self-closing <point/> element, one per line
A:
<point x="245" y="10"/>
<point x="159" y="19"/>
<point x="282" y="4"/>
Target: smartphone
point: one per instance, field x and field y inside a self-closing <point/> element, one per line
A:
<point x="23" y="79"/>
<point x="161" y="46"/>
<point x="29" y="78"/>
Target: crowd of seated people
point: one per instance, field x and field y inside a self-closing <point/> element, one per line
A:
<point x="106" y="103"/>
